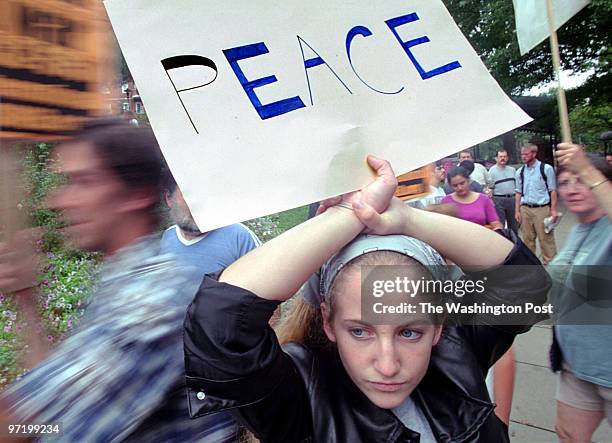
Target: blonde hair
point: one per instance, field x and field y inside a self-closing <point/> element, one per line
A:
<point x="530" y="147"/>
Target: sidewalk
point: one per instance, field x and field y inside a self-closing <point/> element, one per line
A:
<point x="533" y="409"/>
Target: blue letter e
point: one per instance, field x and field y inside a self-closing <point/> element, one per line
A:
<point x="399" y="21"/>
<point x="271" y="109"/>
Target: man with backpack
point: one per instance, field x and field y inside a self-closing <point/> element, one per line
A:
<point x="536" y="199"/>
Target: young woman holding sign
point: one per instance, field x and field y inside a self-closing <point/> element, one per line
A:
<point x="339" y="378"/>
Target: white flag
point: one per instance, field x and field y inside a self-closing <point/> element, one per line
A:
<point x="532" y="19"/>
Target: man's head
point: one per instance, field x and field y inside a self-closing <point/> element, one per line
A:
<point x="502" y="157"/>
<point x="179" y="211"/>
<point x="112" y="172"/>
<point x="529" y="153"/>
<point x="465" y="155"/>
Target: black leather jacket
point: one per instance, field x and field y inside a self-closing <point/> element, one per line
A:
<point x="234" y="362"/>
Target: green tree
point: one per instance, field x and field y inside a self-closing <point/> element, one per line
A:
<point x="589" y="121"/>
<point x="490" y="28"/>
<point x="584" y="46"/>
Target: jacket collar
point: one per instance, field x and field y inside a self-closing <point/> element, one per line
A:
<point x="450" y="396"/>
<point x="453" y="415"/>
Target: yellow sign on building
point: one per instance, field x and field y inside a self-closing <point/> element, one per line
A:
<point x="50" y="66"/>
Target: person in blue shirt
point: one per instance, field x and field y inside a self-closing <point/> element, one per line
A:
<point x="536" y="199"/>
<point x="207" y="252"/>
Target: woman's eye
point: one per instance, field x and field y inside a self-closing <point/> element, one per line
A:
<point x="410" y="334"/>
<point x="358" y="332"/>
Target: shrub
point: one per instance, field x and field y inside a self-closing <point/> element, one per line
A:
<point x="266" y="228"/>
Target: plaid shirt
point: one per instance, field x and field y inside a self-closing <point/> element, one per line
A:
<point x="120" y="376"/>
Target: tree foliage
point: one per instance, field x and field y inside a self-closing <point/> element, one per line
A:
<point x="584" y="44"/>
<point x="490" y="28"/>
<point x="589" y="121"/>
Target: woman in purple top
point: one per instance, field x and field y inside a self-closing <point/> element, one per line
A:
<point x="471" y="206"/>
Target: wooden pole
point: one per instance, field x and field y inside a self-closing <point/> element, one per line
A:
<point x="566" y="133"/>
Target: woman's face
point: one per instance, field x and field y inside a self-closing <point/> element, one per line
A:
<point x="460" y="185"/>
<point x="577" y="196"/>
<point x="386" y="362"/>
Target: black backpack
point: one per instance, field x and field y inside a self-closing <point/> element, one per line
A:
<point x="522" y="174"/>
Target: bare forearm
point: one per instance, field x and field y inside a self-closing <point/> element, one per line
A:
<point x="294" y="255"/>
<point x="467" y="244"/>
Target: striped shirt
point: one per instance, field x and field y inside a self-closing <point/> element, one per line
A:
<point x="120" y="375"/>
<point x="503" y="180"/>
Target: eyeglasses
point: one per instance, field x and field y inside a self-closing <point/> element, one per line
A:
<point x="572" y="181"/>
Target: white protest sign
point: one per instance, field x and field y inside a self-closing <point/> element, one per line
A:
<point x="261" y="106"/>
<point x="532" y="19"/>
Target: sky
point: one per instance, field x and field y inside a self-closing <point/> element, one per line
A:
<point x="569" y="80"/>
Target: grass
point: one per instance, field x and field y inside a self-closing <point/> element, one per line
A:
<point x="289" y="219"/>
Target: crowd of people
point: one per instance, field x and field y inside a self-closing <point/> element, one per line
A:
<point x="176" y="344"/>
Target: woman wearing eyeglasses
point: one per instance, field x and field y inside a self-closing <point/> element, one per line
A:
<point x="581" y="295"/>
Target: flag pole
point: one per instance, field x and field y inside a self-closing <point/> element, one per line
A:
<point x="566" y="133"/>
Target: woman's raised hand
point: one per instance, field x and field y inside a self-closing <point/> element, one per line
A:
<point x="394" y="220"/>
<point x="376" y="194"/>
<point x="572" y="157"/>
<point x="379" y="193"/>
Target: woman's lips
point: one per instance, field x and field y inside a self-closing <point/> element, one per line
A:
<point x="386" y="387"/>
